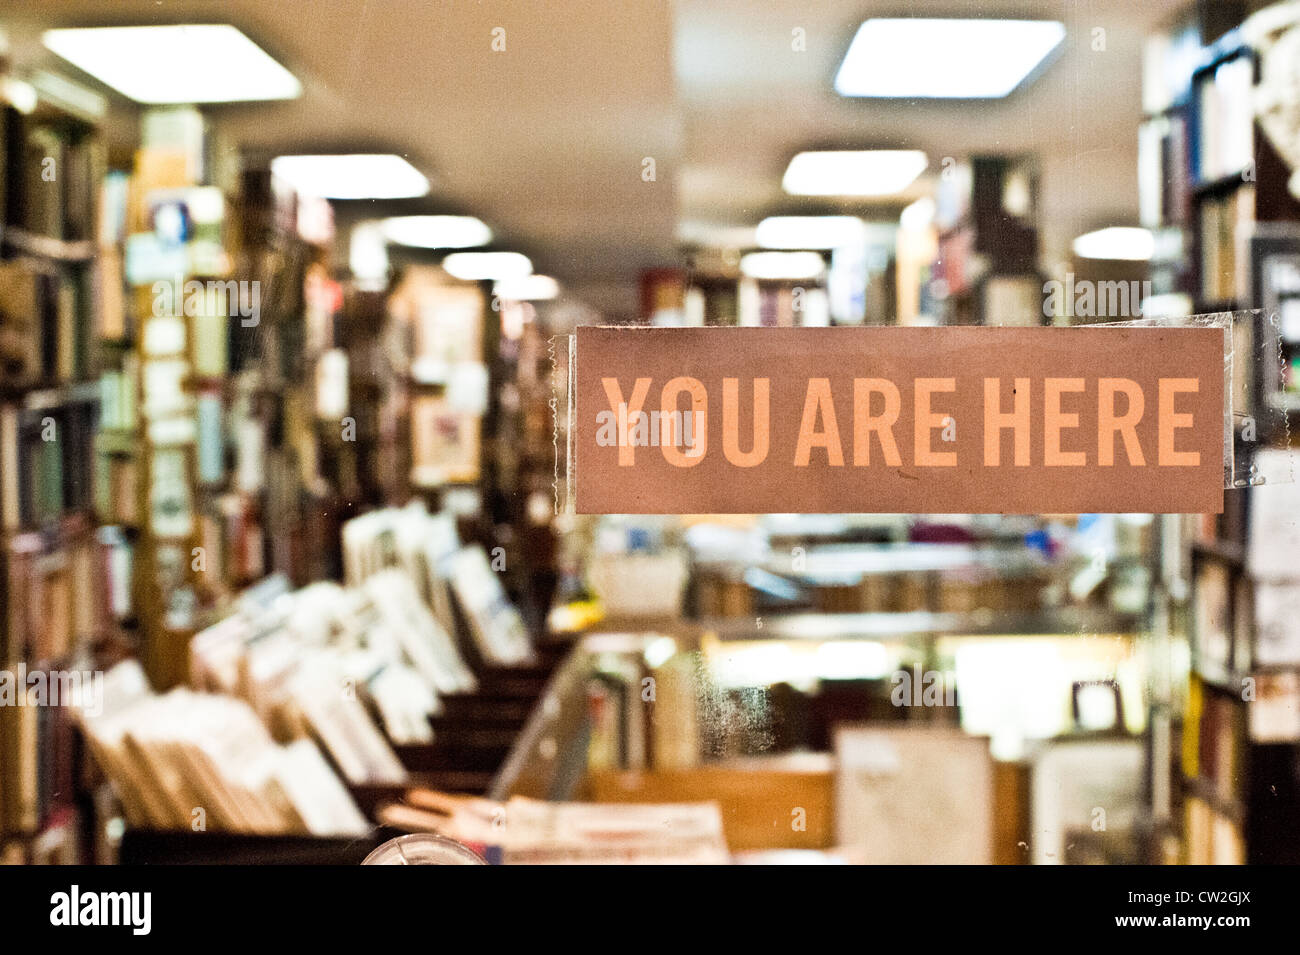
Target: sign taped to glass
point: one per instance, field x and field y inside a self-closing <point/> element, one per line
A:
<point x="909" y="420"/>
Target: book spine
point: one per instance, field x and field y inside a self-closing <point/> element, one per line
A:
<point x="10" y="470"/>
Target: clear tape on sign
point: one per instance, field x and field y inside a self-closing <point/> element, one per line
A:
<point x="1256" y="433"/>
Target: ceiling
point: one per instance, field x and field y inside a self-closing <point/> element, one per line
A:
<point x="546" y="141"/>
<point x="750" y="101"/>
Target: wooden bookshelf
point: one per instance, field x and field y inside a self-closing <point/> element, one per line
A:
<point x="1216" y="184"/>
<point x="51" y="556"/>
<point x="987" y="259"/>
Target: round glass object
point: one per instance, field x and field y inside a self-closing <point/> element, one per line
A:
<point x="423" y="848"/>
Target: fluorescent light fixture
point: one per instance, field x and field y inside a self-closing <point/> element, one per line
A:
<point x="852" y="660"/>
<point x="1116" y="242"/>
<point x="919" y="215"/>
<point x="782" y="265"/>
<point x="437" y="232"/>
<point x="351" y="176"/>
<point x="755" y="664"/>
<point x="948" y="58"/>
<point x="20" y="94"/>
<point x="873" y="172"/>
<point x="368" y="255"/>
<point x="659" y="651"/>
<point x="530" y="288"/>
<point x="71" y="96"/>
<point x="809" y="232"/>
<point x="207" y="63"/>
<point x="488" y="266"/>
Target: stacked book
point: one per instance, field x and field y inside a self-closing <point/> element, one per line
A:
<point x="318" y="662"/>
<point x="450" y="577"/>
<point x="185" y="760"/>
<point x="298" y="692"/>
<point x="531" y="832"/>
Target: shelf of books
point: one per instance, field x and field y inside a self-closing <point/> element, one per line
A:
<point x="724" y="655"/>
<point x="203" y="433"/>
<point x="1241" y="733"/>
<point x="306" y="710"/>
<point x="1214" y="187"/>
<point x="1213" y="178"/>
<point x="52" y="561"/>
<point x="246" y="447"/>
<point x="985" y="269"/>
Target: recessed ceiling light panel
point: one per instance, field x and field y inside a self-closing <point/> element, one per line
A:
<point x="944" y="58"/>
<point x="919" y="215"/>
<point x="1116" y="243"/>
<point x="351" y="176"/>
<point x="874" y="172"/>
<point x="809" y="232"/>
<point x="488" y="266"/>
<point x="194" y="63"/>
<point x="782" y="265"/>
<point x="437" y="232"/>
<point x="530" y="288"/>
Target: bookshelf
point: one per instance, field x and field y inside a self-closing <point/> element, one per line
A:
<point x="448" y="344"/>
<point x="1215" y="190"/>
<point x="469" y="385"/>
<point x="302" y="420"/>
<point x="246" y="363"/>
<point x="1241" y="728"/>
<point x="986" y="268"/>
<point x="264" y="690"/>
<point x="52" y="559"/>
<point x="172" y="246"/>
<point x="1237" y="179"/>
<point x="535" y="443"/>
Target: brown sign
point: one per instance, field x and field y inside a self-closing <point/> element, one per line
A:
<point x="906" y="420"/>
